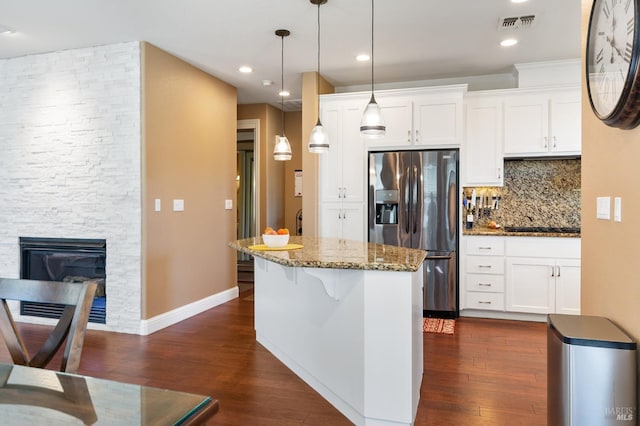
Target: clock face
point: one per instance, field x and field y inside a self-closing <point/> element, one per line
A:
<point x="611" y="56"/>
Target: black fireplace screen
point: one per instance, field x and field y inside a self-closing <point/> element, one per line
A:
<point x="65" y="260"/>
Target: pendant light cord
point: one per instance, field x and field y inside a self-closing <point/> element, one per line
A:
<point x="318" y="76"/>
<point x="282" y="81"/>
<point x="372" y="1"/>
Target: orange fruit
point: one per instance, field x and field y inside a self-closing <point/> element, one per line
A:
<point x="283" y="231"/>
<point x="268" y="230"/>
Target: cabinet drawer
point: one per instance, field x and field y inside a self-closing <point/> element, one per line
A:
<point x="485" y="246"/>
<point x="484" y="265"/>
<point x="484" y="283"/>
<point x="489" y="301"/>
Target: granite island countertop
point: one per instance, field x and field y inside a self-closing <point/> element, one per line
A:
<point x="483" y="230"/>
<point x="337" y="254"/>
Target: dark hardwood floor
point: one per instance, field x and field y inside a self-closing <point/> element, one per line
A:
<point x="491" y="372"/>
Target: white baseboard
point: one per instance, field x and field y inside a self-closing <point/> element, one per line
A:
<point x="161" y="321"/>
<point x="517" y="316"/>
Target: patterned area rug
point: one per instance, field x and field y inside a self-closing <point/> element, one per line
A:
<point x="438" y="325"/>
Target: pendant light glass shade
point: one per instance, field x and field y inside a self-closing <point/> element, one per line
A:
<point x="319" y="138"/>
<point x="372" y="124"/>
<point x="282" y="148"/>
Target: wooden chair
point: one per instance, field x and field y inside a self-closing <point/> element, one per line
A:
<point x="72" y="325"/>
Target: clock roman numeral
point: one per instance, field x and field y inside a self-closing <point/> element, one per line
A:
<point x="627" y="52"/>
<point x="606" y="10"/>
<point x="626" y="6"/>
<point x="630" y="26"/>
<point x="599" y="56"/>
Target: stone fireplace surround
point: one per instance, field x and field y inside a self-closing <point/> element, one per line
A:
<point x="70" y="165"/>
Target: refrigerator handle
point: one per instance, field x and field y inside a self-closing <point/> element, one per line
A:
<point x="416" y="183"/>
<point x="406" y="201"/>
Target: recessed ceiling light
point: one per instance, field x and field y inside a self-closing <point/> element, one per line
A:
<point x="363" y="57"/>
<point x="245" y="69"/>
<point x="267" y="83"/>
<point x="507" y="42"/>
<point x="518" y="1"/>
<point x="284" y="93"/>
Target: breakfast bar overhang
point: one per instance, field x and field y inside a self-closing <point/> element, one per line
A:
<point x="346" y="317"/>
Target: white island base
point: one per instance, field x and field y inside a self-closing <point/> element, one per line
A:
<point x="355" y="336"/>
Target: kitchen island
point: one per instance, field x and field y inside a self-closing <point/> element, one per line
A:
<point x="346" y="317"/>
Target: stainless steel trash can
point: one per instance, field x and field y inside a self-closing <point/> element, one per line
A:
<point x="591" y="372"/>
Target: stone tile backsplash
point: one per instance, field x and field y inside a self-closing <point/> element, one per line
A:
<point x="535" y="193"/>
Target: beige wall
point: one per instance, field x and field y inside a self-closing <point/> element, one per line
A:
<point x="310" y="94"/>
<point x="293" y="130"/>
<point x="610" y="253"/>
<point x="189" y="134"/>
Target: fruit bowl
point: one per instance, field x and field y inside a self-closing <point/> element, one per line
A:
<point x="275" y="240"/>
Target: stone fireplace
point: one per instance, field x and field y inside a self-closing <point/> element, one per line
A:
<point x="70" y="166"/>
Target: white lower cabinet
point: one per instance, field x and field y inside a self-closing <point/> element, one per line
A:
<point x="342" y="220"/>
<point x="546" y="283"/>
<point x="484" y="273"/>
<point x="527" y="275"/>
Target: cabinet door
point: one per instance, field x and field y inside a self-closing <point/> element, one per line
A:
<point x="565" y="124"/>
<point x="351" y="166"/>
<point x="530" y="285"/>
<point x="353" y="224"/>
<point x="437" y="121"/>
<point x="397" y="115"/>
<point x="330" y="220"/>
<point x="568" y="286"/>
<point x="330" y="176"/>
<point x="482" y="161"/>
<point x="526" y="124"/>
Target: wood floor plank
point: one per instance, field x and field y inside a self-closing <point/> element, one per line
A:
<point x="490" y="372"/>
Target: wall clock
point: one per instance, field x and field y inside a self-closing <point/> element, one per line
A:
<point x="613" y="47"/>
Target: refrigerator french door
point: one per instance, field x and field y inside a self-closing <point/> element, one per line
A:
<point x="413" y="202"/>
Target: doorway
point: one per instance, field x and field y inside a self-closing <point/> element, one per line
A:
<point x="247" y="176"/>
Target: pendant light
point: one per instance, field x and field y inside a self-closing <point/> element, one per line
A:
<point x="282" y="149"/>
<point x="319" y="139"/>
<point x="372" y="124"/>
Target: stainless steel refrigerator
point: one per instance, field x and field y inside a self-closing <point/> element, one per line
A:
<point x="413" y="202"/>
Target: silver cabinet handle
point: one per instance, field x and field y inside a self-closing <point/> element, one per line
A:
<point x="554" y="142"/>
<point x="344" y="192"/>
<point x="408" y="135"/>
<point x="484" y="248"/>
<point x="417" y="135"/>
<point x="484" y="266"/>
<point x="484" y="285"/>
<point x="553" y="271"/>
<point x="499" y="173"/>
<point x="558" y="273"/>
<point x="344" y="214"/>
<point x="546" y="141"/>
<point x="481" y="302"/>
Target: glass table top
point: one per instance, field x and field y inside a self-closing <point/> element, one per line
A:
<point x="31" y="396"/>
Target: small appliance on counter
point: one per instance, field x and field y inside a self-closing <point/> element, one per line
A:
<point x="413" y="202"/>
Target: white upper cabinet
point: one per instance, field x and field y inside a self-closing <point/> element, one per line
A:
<point x="342" y="169"/>
<point x="421" y="118"/>
<point x="542" y="123"/>
<point x="482" y="162"/>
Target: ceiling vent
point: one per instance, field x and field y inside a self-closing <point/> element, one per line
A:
<point x="516" y="22"/>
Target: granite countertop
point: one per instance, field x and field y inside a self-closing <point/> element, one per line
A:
<point x="483" y="230"/>
<point x="338" y="254"/>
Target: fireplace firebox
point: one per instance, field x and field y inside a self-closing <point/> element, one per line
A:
<point x="65" y="260"/>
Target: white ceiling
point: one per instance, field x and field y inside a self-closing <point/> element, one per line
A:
<point x="415" y="40"/>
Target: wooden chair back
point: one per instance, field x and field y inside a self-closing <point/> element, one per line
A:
<point x="77" y="299"/>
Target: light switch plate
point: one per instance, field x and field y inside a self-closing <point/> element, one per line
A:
<point x="178" y="205"/>
<point x="617" y="209"/>
<point x="228" y="204"/>
<point x="603" y="208"/>
<point x="157" y="205"/>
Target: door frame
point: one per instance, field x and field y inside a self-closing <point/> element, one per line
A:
<point x="254" y="124"/>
